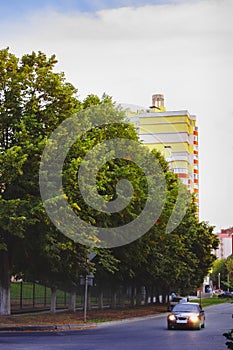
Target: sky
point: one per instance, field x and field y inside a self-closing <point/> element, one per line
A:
<point x="133" y="49"/>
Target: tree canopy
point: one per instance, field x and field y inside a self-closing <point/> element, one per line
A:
<point x="34" y="101"/>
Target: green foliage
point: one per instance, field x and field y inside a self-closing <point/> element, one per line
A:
<point x="229" y="337"/>
<point x="229" y="265"/>
<point x="210" y="301"/>
<point x="219" y="267"/>
<point x="33" y="101"/>
<point x="176" y="261"/>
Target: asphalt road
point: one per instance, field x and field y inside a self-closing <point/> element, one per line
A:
<point x="147" y="334"/>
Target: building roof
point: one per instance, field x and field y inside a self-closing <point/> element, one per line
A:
<point x="150" y="114"/>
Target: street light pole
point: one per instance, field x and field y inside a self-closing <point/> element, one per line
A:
<point x="219" y="282"/>
<point x="87" y="278"/>
<point x="85" y="298"/>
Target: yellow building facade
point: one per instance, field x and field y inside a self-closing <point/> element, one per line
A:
<point x="175" y="135"/>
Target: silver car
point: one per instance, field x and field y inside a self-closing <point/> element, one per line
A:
<point x="186" y="315"/>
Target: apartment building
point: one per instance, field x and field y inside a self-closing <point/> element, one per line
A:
<point x="175" y="135"/>
<point x="226" y="243"/>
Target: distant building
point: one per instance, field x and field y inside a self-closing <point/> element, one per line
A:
<point x="226" y="243"/>
<point x="175" y="135"/>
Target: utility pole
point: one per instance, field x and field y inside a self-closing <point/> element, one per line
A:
<point x="88" y="280"/>
<point x="85" y="298"/>
<point x="219" y="281"/>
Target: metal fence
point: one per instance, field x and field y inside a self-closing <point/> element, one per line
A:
<point x="31" y="296"/>
<point x="27" y="296"/>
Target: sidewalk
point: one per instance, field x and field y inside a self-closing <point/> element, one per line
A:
<point x="59" y="322"/>
<point x="73" y="327"/>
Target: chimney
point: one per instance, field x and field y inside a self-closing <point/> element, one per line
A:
<point x="158" y="101"/>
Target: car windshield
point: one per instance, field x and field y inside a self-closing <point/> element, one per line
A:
<point x="176" y="299"/>
<point x="185" y="308"/>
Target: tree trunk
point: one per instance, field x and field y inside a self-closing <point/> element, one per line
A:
<point x="113" y="299"/>
<point x="138" y="296"/>
<point x="101" y="300"/>
<point x="141" y="296"/>
<point x="72" y="301"/>
<point x="147" y="295"/>
<point x="158" y="299"/>
<point x="5" y="305"/>
<point x="121" y="296"/>
<point x="5" y="278"/>
<point x="53" y="300"/>
<point x="132" y="296"/>
<point x="152" y="295"/>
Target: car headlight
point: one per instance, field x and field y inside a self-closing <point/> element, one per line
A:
<point x="171" y="317"/>
<point x="194" y="318"/>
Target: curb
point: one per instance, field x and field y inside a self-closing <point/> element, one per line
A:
<point x="54" y="328"/>
<point x="129" y="320"/>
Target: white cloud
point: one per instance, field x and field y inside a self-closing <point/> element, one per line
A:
<point x="184" y="51"/>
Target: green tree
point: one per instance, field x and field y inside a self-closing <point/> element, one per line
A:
<point x="229" y="265"/>
<point x="219" y="272"/>
<point x="54" y="260"/>
<point x="33" y="101"/>
<point x="199" y="241"/>
<point x="91" y="100"/>
<point x="106" y="181"/>
<point x="110" y="171"/>
<point x="177" y="261"/>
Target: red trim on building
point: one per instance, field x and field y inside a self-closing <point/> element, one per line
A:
<point x="225" y="234"/>
<point x="183" y="176"/>
<point x="227" y="231"/>
<point x="231" y="244"/>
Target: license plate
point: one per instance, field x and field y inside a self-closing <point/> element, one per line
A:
<point x="181" y="321"/>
